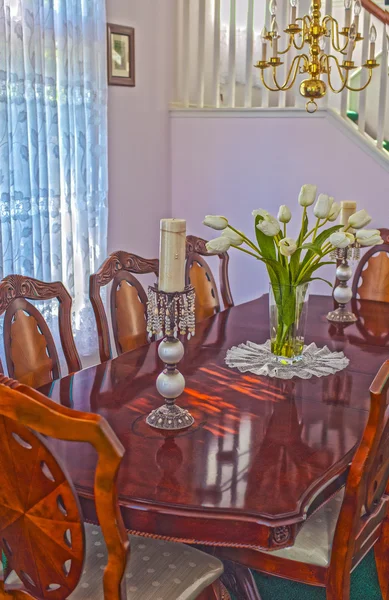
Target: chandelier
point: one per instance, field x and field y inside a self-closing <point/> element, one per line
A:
<point x="314" y="30"/>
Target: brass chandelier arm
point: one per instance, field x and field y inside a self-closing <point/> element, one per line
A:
<point x="335" y="39"/>
<point x="343" y="77"/>
<point x="293" y="71"/>
<point x="288" y="47"/>
<point x="364" y="86"/>
<point x="305" y="23"/>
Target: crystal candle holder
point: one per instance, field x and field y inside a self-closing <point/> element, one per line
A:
<point x="171" y="314"/>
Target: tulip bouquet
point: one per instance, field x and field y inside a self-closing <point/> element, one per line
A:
<point x="292" y="263"/>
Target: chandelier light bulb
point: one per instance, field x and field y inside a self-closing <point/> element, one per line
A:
<point x="273" y="7"/>
<point x="322" y="44"/>
<point x="357" y="7"/>
<point x="274" y="28"/>
<point x="293" y="3"/>
<point x="264" y="35"/>
<point x="347" y="4"/>
<point x="352" y="34"/>
<point x="373" y="34"/>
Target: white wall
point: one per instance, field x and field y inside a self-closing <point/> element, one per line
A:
<point x="232" y="165"/>
<point x="138" y="129"/>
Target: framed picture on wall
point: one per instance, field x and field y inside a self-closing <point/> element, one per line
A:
<point x="121" y="55"/>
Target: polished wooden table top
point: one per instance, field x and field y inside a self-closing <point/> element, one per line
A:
<point x="262" y="452"/>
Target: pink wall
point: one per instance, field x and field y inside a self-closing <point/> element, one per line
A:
<point x="232" y="165"/>
<point x="138" y="129"/>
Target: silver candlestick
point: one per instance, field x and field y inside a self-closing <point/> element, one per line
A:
<point x="170" y="314"/>
<point x="342" y="293"/>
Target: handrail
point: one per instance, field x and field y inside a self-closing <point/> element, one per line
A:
<point x="376" y="11"/>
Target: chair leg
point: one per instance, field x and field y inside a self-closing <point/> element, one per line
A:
<point x="216" y="591"/>
<point x="240" y="581"/>
<point x="381" y="553"/>
<point x="338" y="586"/>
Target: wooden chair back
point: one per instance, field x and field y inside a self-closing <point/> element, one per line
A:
<point x="365" y="503"/>
<point x="29" y="346"/>
<point x="199" y="274"/>
<point x="128" y="301"/>
<point x="371" y="279"/>
<point x="41" y="525"/>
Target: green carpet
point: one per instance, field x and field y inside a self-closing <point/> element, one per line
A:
<point x="364" y="585"/>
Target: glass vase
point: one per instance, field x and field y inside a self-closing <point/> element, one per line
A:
<point x="288" y="314"/>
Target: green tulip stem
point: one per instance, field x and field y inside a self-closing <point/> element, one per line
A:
<point x="248" y="252"/>
<point x="313" y="229"/>
<point x="284" y="230"/>
<point x="246" y="239"/>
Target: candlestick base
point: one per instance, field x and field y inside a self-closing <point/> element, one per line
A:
<point x="170" y="417"/>
<point x="341" y="315"/>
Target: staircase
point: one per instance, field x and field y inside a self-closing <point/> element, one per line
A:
<point x="218" y="42"/>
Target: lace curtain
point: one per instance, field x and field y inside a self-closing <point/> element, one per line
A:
<point x="53" y="142"/>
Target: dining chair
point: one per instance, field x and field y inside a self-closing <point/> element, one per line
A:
<point x="128" y="301"/>
<point x="371" y="279"/>
<point x="48" y="550"/>
<point x="335" y="539"/>
<point x="199" y="274"/>
<point x="29" y="346"/>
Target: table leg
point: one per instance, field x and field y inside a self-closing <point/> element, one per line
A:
<point x="239" y="581"/>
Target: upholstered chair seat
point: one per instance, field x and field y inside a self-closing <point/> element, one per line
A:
<point x="156" y="570"/>
<point x="313" y="543"/>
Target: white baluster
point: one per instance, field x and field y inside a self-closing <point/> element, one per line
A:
<point x="364" y="74"/>
<point x="248" y="93"/>
<point x="282" y="70"/>
<point x="201" y="55"/>
<point x="232" y="56"/>
<point x="186" y="53"/>
<point x="328" y="11"/>
<point x="383" y="89"/>
<point x="216" y="56"/>
<point x="265" y="94"/>
<point x="178" y="92"/>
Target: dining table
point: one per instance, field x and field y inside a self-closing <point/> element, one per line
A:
<point x="263" y="454"/>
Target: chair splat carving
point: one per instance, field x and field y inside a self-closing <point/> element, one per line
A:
<point x="128" y="301"/>
<point x="199" y="274"/>
<point x="371" y="279"/>
<point x="29" y="345"/>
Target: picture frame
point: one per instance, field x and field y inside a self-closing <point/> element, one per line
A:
<point x="121" y="55"/>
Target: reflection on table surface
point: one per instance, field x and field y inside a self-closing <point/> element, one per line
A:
<point x="262" y="446"/>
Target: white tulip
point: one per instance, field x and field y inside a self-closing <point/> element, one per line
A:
<point x="288" y="246"/>
<point x="235" y="238"/>
<point x="359" y="219"/>
<point x="323" y="206"/>
<point x="369" y="237"/>
<point x="215" y="222"/>
<point x="334" y="213"/>
<point x="284" y="214"/>
<point x="340" y="239"/>
<point x="307" y="194"/>
<point x="268" y="224"/>
<point x="220" y="244"/>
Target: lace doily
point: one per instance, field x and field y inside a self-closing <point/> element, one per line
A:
<point x="258" y="359"/>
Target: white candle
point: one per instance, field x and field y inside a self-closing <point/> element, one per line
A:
<point x="347" y="13"/>
<point x="264" y="43"/>
<point x="351" y="43"/>
<point x="172" y="255"/>
<point x="348" y="208"/>
<point x="293" y="11"/>
<point x="373" y="37"/>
